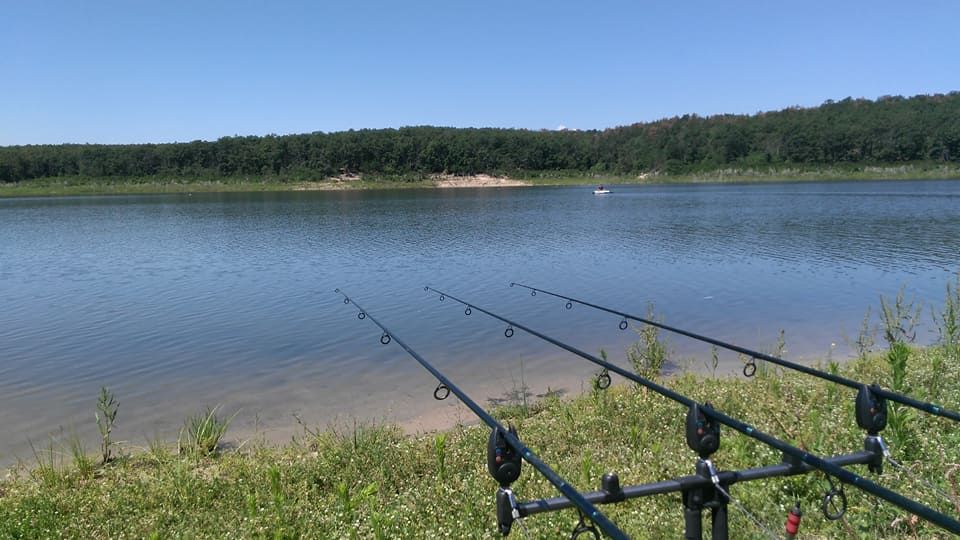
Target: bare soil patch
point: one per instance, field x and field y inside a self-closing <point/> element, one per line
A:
<point x="476" y="180"/>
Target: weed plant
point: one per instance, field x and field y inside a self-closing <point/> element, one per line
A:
<point x="106" y="415"/>
<point x="649" y="355"/>
<point x="899" y="318"/>
<point x="867" y="337"/>
<point x="948" y="322"/>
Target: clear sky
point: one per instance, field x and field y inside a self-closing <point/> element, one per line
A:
<point x="123" y="71"/>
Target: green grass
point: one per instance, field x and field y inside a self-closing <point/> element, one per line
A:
<point x="371" y="481"/>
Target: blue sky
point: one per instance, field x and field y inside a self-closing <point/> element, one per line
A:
<point x="113" y="71"/>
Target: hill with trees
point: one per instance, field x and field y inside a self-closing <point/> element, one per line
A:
<point x="891" y="130"/>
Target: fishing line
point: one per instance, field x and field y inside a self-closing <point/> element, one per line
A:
<point x="527" y="454"/>
<point x="918" y="479"/>
<point x="716" y="484"/>
<point x="910" y="474"/>
<point x="931" y="408"/>
<point x="815" y="461"/>
<point x="747" y="513"/>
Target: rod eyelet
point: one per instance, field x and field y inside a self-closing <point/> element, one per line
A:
<point x="385" y="338"/>
<point x="442" y="298"/>
<point x="533" y="293"/>
<point x="569" y="305"/>
<point x="508" y="332"/>
<point x="583" y="528"/>
<point x="623" y="324"/>
<point x="361" y="315"/>
<point x="603" y="380"/>
<point x="467" y="311"/>
<point x="831" y="510"/>
<point x="750" y="368"/>
<point x="441" y="392"/>
<point x="346" y="300"/>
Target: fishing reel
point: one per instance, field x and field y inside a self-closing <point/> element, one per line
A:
<point x="703" y="434"/>
<point x="503" y="461"/>
<point x="871" y="410"/>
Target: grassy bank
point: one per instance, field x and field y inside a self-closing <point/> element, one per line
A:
<point x="913" y="171"/>
<point x="370" y="481"/>
<point x="72" y="186"/>
<point x="53" y="187"/>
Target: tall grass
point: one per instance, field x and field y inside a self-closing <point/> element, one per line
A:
<point x="202" y="433"/>
<point x="82" y="463"/>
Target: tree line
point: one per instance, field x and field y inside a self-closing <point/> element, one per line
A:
<point x="888" y="130"/>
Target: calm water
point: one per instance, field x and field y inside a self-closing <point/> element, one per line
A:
<point x="177" y="302"/>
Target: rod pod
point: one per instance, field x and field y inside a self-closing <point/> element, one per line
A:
<point x="698" y="499"/>
<point x="942" y="520"/>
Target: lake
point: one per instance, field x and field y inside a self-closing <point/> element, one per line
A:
<point x="178" y="302"/>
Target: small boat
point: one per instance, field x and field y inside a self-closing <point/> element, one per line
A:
<point x="601" y="191"/>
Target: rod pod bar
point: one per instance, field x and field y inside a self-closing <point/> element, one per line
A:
<point x="507" y="435"/>
<point x="930" y="408"/>
<point x="815" y="461"/>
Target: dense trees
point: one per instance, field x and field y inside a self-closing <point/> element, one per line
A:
<point x="888" y="130"/>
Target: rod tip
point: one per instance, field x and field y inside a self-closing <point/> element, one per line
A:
<point x="336" y="290"/>
<point x="426" y="287"/>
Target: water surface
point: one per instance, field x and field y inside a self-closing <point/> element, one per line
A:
<point x="181" y="301"/>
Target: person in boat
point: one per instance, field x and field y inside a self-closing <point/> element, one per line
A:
<point x="600" y="188"/>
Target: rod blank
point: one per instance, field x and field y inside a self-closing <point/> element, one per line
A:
<point x="565" y="488"/>
<point x="893" y="396"/>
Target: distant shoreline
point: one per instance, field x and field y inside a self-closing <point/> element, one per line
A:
<point x="74" y="186"/>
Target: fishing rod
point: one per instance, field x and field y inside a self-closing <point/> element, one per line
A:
<point x="748" y="371"/>
<point x="708" y="412"/>
<point x="504" y="448"/>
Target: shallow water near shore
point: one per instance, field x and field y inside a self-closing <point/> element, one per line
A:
<point x="181" y="301"/>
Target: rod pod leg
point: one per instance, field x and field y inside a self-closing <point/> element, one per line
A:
<point x="504" y="511"/>
<point x="692" y="515"/>
<point x="719" y="529"/>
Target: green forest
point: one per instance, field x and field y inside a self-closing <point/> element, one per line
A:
<point x="891" y="130"/>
